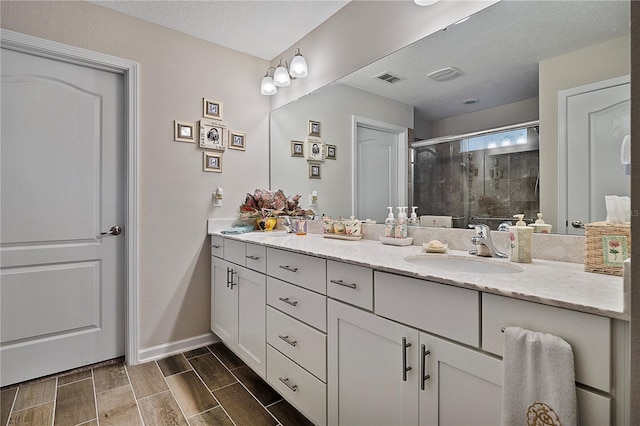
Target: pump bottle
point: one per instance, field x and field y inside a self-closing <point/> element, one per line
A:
<point x="389" y="224"/>
<point x="401" y="224"/>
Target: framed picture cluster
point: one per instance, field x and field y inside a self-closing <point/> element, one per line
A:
<point x="210" y="133"/>
<point x="313" y="149"/>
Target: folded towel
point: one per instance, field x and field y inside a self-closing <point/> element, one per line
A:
<point x="538" y="380"/>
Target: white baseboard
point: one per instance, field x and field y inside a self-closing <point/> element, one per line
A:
<point x="168" y="349"/>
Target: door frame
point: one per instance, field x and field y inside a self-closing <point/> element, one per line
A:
<point x="403" y="155"/>
<point x="19" y="42"/>
<point x="563" y="130"/>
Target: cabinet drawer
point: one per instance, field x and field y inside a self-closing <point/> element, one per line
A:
<point x="301" y="389"/>
<point x="302" y="304"/>
<point x="256" y="257"/>
<point x="593" y="409"/>
<point x="303" y="344"/>
<point x="440" y="309"/>
<point x="305" y="271"/>
<point x="217" y="246"/>
<point x="234" y="251"/>
<point x="589" y="335"/>
<point x="350" y="283"/>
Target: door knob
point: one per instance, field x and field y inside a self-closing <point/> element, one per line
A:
<point x="577" y="224"/>
<point x="115" y="230"/>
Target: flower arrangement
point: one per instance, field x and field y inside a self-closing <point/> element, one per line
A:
<point x="264" y="203"/>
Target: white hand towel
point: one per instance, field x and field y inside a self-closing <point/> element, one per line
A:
<point x="538" y="380"/>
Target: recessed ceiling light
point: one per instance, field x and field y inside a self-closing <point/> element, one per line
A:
<point x="471" y="101"/>
<point x="425" y="2"/>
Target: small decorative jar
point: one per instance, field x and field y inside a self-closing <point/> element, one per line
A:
<point x="266" y="223"/>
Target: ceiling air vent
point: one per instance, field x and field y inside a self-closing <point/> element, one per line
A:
<point x="445" y="74"/>
<point x="389" y="77"/>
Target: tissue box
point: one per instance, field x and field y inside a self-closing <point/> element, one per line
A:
<point x="606" y="247"/>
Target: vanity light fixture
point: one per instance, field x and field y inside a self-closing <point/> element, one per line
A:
<point x="283" y="74"/>
<point x="268" y="87"/>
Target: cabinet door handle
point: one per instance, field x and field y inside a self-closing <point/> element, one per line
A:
<point x="405" y="345"/>
<point x="231" y="283"/>
<point x="286" y="339"/>
<point x="289" y="385"/>
<point x="425" y="376"/>
<point x="286" y="300"/>
<point x="288" y="268"/>
<point x="252" y="257"/>
<point x="342" y="283"/>
<point x="228" y="272"/>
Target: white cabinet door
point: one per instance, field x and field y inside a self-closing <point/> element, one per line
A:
<point x="224" y="306"/>
<point x="251" y="339"/>
<point x="464" y="386"/>
<point x="238" y="311"/>
<point x="368" y="383"/>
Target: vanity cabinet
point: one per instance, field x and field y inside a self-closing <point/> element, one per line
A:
<point x="352" y="345"/>
<point x="238" y="309"/>
<point x="383" y="372"/>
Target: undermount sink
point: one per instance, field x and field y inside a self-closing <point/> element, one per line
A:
<point x="463" y="264"/>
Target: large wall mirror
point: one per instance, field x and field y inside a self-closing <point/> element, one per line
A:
<point x="406" y="125"/>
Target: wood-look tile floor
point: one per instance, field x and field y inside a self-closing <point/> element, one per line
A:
<point x="205" y="386"/>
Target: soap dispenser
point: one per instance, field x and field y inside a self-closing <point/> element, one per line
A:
<point x="413" y="220"/>
<point x="520" y="236"/>
<point x="401" y="224"/>
<point x="389" y="224"/>
<point x="540" y="226"/>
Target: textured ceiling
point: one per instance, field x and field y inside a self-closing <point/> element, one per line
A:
<point x="498" y="50"/>
<point x="262" y="28"/>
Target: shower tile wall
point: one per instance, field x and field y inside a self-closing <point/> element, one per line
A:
<point x="479" y="186"/>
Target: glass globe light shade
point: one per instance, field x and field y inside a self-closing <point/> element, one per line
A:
<point x="298" y="67"/>
<point x="268" y="87"/>
<point x="281" y="76"/>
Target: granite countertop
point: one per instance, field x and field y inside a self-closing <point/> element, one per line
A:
<point x="560" y="284"/>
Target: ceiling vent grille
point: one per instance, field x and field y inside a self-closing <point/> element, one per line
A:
<point x="445" y="74"/>
<point x="389" y="77"/>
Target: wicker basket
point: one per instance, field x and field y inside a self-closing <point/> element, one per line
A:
<point x="606" y="247"/>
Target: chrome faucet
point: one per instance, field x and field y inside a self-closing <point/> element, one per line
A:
<point x="288" y="226"/>
<point x="484" y="244"/>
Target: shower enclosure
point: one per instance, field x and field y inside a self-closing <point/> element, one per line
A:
<point x="484" y="177"/>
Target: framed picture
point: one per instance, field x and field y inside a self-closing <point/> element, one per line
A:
<point x="211" y="109"/>
<point x="331" y="152"/>
<point x="184" y="132"/>
<point x="314" y="171"/>
<point x="297" y="149"/>
<point x="315" y="149"/>
<point x="212" y="162"/>
<point x="237" y="140"/>
<point x="314" y="128"/>
<point x="212" y="135"/>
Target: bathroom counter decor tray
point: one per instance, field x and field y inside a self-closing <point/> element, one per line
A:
<point x="396" y="241"/>
<point x="343" y="237"/>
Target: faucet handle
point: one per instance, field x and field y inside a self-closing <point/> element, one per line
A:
<point x="481" y="229"/>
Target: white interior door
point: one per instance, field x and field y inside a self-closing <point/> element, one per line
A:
<point x="63" y="183"/>
<point x="597" y="119"/>
<point x="380" y="170"/>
